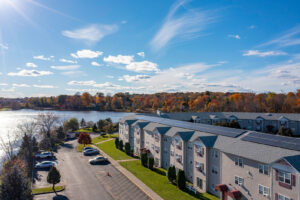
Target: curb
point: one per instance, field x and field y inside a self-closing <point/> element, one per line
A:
<point x="150" y="193"/>
<point x="64" y="187"/>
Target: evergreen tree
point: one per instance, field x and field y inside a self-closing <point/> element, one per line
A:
<point x="144" y="159"/>
<point x="53" y="177"/>
<point x="117" y="142"/>
<point x="172" y="174"/>
<point x="82" y="123"/>
<point x="180" y="180"/>
<point x="127" y="148"/>
<point x="150" y="163"/>
<point x="121" y="145"/>
<point x="95" y="128"/>
<point x="15" y="186"/>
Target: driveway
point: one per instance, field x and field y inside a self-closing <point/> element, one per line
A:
<point x="85" y="181"/>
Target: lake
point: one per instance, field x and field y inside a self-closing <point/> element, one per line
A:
<point x="10" y="119"/>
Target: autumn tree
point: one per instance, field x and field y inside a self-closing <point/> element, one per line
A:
<point x="84" y="138"/>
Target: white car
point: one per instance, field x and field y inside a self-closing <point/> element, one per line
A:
<point x="98" y="159"/>
<point x="44" y="154"/>
<point x="44" y="164"/>
<point x="90" y="152"/>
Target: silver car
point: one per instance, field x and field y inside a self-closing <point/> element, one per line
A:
<point x="98" y="159"/>
<point x="44" y="164"/>
<point x="92" y="151"/>
<point x="44" y="154"/>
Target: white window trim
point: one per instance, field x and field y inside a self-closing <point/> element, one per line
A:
<point x="237" y="160"/>
<point x="284" y="197"/>
<point x="284" y="177"/>
<point x="239" y="178"/>
<point x="263" y="190"/>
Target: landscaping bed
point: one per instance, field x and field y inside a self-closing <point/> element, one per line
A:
<point x="45" y="190"/>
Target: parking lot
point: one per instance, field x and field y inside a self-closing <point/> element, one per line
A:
<point x="85" y="181"/>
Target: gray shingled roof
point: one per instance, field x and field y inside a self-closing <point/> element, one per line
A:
<point x="152" y="125"/>
<point x="240" y="115"/>
<point x="262" y="153"/>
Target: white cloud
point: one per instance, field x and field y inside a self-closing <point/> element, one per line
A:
<point x="42" y="57"/>
<point x="264" y="53"/>
<point x="92" y="33"/>
<point x="68" y="61"/>
<point x="3" y="84"/>
<point x="20" y="85"/>
<point x="109" y="76"/>
<point x="119" y="59"/>
<point x="8" y="89"/>
<point x="73" y="73"/>
<point x="123" y="22"/>
<point x="94" y="63"/>
<point x="234" y="36"/>
<point x="3" y="46"/>
<point x="86" y="53"/>
<point x="186" y="25"/>
<point x="142" y="54"/>
<point x="85" y="83"/>
<point x="128" y="78"/>
<point x="252" y="27"/>
<point x="66" y="67"/>
<point x="33" y="73"/>
<point x="30" y="64"/>
<point x="290" y="38"/>
<point x="44" y="86"/>
<point x="144" y="66"/>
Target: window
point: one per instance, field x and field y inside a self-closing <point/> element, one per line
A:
<point x="199" y="183"/>
<point x="238" y="180"/>
<point x="281" y="197"/>
<point x="214" y="170"/>
<point x="152" y="146"/>
<point x="263" y="190"/>
<point x="200" y="151"/>
<point x="215" y="153"/>
<point x="263" y="169"/>
<point x="239" y="162"/>
<point x="172" y="153"/>
<point x="199" y="166"/>
<point x="284" y="177"/>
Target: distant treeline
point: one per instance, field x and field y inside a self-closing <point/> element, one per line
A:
<point x="166" y="102"/>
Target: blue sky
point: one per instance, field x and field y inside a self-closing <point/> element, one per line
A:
<point x="54" y="47"/>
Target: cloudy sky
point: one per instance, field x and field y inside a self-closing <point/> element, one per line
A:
<point x="54" y="47"/>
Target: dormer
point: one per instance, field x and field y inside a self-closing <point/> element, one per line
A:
<point x="232" y="118"/>
<point x="259" y="119"/>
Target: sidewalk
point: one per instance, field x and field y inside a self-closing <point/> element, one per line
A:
<point x="148" y="191"/>
<point x="104" y="141"/>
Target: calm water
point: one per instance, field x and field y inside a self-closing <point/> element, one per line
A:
<point x="10" y="119"/>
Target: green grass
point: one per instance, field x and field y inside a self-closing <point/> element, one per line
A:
<point x="85" y="130"/>
<point x="103" y="138"/>
<point x="160" y="184"/>
<point x="47" y="190"/>
<point x="110" y="148"/>
<point x="80" y="147"/>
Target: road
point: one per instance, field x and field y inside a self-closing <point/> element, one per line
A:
<point x="90" y="182"/>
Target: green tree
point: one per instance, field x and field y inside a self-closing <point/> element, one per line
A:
<point x="180" y="179"/>
<point x="144" y="159"/>
<point x="172" y="174"/>
<point x="127" y="148"/>
<point x="15" y="186"/>
<point x="150" y="163"/>
<point x="53" y="177"/>
<point x="95" y="128"/>
<point x="82" y="123"/>
<point x="121" y="145"/>
<point x="71" y="124"/>
<point x="117" y="142"/>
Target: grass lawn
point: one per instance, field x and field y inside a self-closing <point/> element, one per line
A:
<point x="80" y="147"/>
<point x="5" y="109"/>
<point x="160" y="184"/>
<point x="47" y="190"/>
<point x="85" y="130"/>
<point x="101" y="138"/>
<point x="110" y="148"/>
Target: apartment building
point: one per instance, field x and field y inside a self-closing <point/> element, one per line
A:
<point x="265" y="122"/>
<point x="229" y="163"/>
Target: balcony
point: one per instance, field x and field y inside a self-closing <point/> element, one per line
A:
<point x="179" y="146"/>
<point x="199" y="167"/>
<point x="200" y="152"/>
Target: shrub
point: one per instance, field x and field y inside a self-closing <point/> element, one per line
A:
<point x="150" y="163"/>
<point x="144" y="159"/>
<point x="121" y="145"/>
<point x="117" y="142"/>
<point x="172" y="174"/>
<point x="127" y="148"/>
<point x="180" y="180"/>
